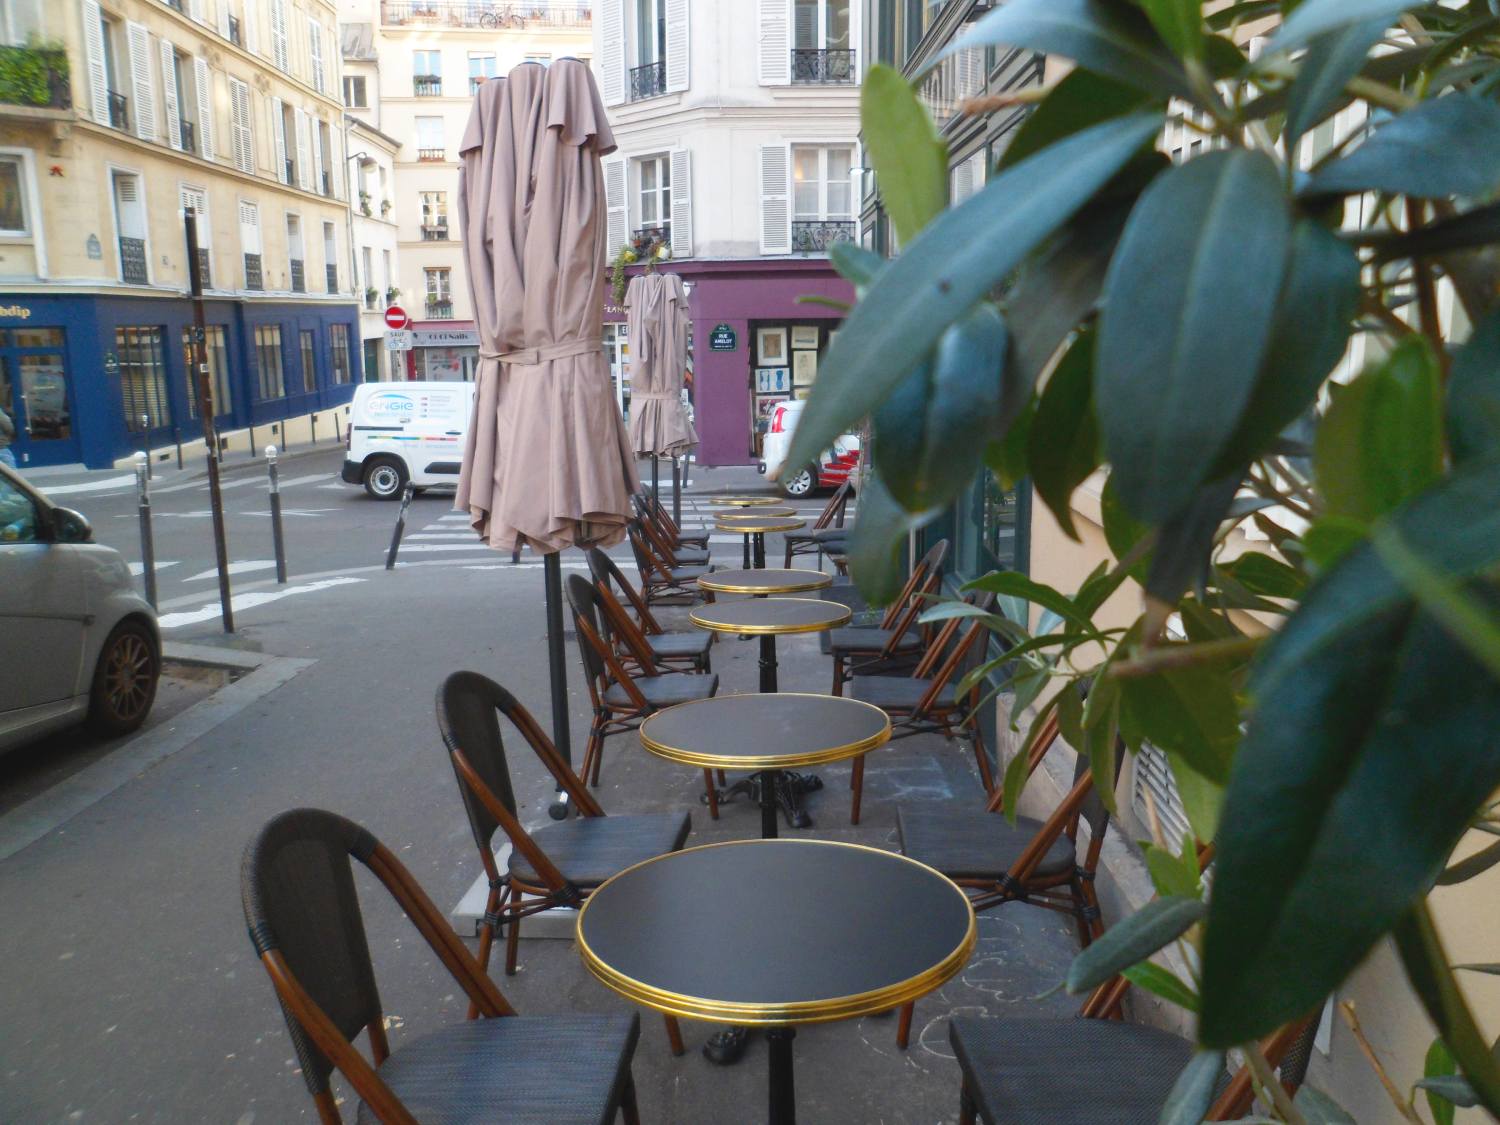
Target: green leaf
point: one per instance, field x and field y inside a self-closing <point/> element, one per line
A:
<point x="1188" y="308"/>
<point x="1127" y="536"/>
<point x="1179" y="23"/>
<point x="1016" y="584"/>
<point x="1465" y="869"/>
<point x="1331" y="538"/>
<point x="855" y="264"/>
<point x="1193" y="1093"/>
<point x="1184" y="544"/>
<point x="1442" y="147"/>
<point x="1439" y="1063"/>
<point x="1471" y="622"/>
<point x="1474" y="394"/>
<point x="1164" y="983"/>
<point x="911" y="161"/>
<point x="1331" y="60"/>
<point x="1314" y="317"/>
<point x="1366" y="715"/>
<point x="1490" y="969"/>
<point x="1006" y="458"/>
<point x="1110" y="38"/>
<point x="1451" y="1088"/>
<point x="1063" y="446"/>
<point x="1133" y="939"/>
<point x="930" y="435"/>
<point x="1320" y="1109"/>
<point x="946" y="271"/>
<point x="1202" y="799"/>
<point x="876" y="545"/>
<point x="1169" y="875"/>
<point x="1381" y="441"/>
<point x="1101" y="736"/>
<point x="1082" y="98"/>
<point x="1189" y="711"/>
<point x="1261" y="574"/>
<point x="1318" y="17"/>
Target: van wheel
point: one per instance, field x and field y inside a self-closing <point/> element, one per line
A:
<point x="385" y="477"/>
<point x="800" y="485"/>
<point x="125" y="679"/>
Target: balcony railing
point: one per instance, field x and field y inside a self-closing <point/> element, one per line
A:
<point x="299" y="276"/>
<point x="652" y="232"/>
<point x="435" y="232"/>
<point x="440" y="308"/>
<point x="203" y="271"/>
<point x="189" y="136"/>
<point x="236" y="36"/>
<point x="34" y="76"/>
<point x="290" y="168"/>
<point x="822" y="66"/>
<point x="331" y="278"/>
<point x="427" y="86"/>
<point x="819" y="234"/>
<point x="119" y="111"/>
<point x="432" y="155"/>
<point x="488" y="15"/>
<point x="327" y="183"/>
<point x="254" y="278"/>
<point x="133" y="261"/>
<point x="648" y="81"/>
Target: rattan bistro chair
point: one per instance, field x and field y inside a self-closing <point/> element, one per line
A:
<point x="667" y="524"/>
<point x="895" y="645"/>
<point x="622" y="701"/>
<point x="558" y="864"/>
<point x="671" y="549"/>
<point x="303" y="914"/>
<point x="659" y="579"/>
<point x="827" y="529"/>
<point x="673" y="651"/>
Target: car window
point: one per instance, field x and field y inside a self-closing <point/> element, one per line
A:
<point x="18" y="515"/>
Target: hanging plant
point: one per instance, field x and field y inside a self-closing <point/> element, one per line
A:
<point x="647" y="245"/>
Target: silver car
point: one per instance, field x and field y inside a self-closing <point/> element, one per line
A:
<point x="76" y="640"/>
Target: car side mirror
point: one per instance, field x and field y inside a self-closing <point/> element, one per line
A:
<point x="69" y="526"/>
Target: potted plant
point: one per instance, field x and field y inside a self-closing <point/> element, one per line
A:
<point x="385" y="208"/>
<point x="364" y="204"/>
<point x="646" y="245"/>
<point x="392" y="295"/>
<point x="371" y="295"/>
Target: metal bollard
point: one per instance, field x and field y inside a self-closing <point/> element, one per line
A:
<point x="278" y="541"/>
<point x="313" y="419"/>
<point x="146" y="442"/>
<point x="143" y="507"/>
<point x="390" y="557"/>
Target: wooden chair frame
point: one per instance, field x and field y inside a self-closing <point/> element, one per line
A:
<point x="607" y="576"/>
<point x="658" y="583"/>
<point x="663" y="544"/>
<point x="806" y="543"/>
<point x="663" y="520"/>
<point x="925" y="578"/>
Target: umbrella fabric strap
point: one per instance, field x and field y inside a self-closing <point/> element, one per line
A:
<point x="530" y="357"/>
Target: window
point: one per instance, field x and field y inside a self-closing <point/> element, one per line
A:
<point x="430" y="142"/>
<point x="820" y="183"/>
<point x="250" y="245"/>
<point x="390" y="278"/>
<point x="650" y="31"/>
<point x="439" y="293"/>
<point x="338" y="353"/>
<point x="355" y="95"/>
<point x="308" y="346"/>
<point x="655" y="179"/>
<point x="434" y="216"/>
<point x="12" y="197"/>
<point x="540" y="60"/>
<point x="196" y="200"/>
<point x="130" y="223"/>
<point x="481" y="69"/>
<point x="427" y="74"/>
<point x="296" y="260"/>
<point x="270" y="381"/>
<point x="216" y="352"/>
<point x="315" y="55"/>
<point x="143" y="378"/>
<point x="19" y="21"/>
<point x="18" y="517"/>
<point x="330" y="258"/>
<point x="822" y="49"/>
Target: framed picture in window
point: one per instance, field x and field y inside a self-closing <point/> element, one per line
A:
<point x="763" y="406"/>
<point x="770" y="346"/>
<point x="804" y="368"/>
<point x="772" y="380"/>
<point x="804" y="336"/>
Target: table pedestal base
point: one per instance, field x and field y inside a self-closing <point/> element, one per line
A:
<point x="783" y="1105"/>
<point x="784" y="792"/>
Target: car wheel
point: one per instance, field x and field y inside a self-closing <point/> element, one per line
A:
<point x="124" y="679"/>
<point x="800" y="485"/>
<point x="385" y="477"/>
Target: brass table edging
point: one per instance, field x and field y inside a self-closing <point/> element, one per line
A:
<point x="708" y="582"/>
<point x="766" y="761"/>
<point x="776" y="630"/>
<point x="740" y="529"/>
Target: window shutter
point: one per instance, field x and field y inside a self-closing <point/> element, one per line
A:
<point x="317" y="156"/>
<point x="775" y="44"/>
<point x="278" y="130"/>
<point x="335" y="156"/>
<point x="961" y="183"/>
<point x="195" y="9"/>
<point x="278" y="36"/>
<point x="93" y="45"/>
<point x="315" y="52"/>
<point x="1153" y="775"/>
<point x="776" y="199"/>
<point x="249" y="228"/>
<point x="612" y="51"/>
<point x="617" y="223"/>
<point x="203" y="81"/>
<point x="304" y="150"/>
<point x="682" y="203"/>
<point x="197" y="200"/>
<point x="856" y="44"/>
<point x="143" y="94"/>
<point x="677" y="45"/>
<point x="250" y="27"/>
<point x="223" y="18"/>
<point x="242" y="141"/>
<point x="169" y="95"/>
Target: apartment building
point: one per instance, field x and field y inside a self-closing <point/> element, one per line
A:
<point x="138" y="110"/>
<point x="737" y="123"/>
<point x="428" y="58"/>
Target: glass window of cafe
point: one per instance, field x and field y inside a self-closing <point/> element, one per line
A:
<point x="784" y="359"/>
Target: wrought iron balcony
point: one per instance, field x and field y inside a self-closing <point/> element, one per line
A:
<point x="427" y="86"/>
<point x="189" y="136"/>
<point x="327" y="183"/>
<point x="291" y="171"/>
<point x="119" y="111"/>
<point x="41" y="77"/>
<point x="254" y="278"/>
<point x="435" y="232"/>
<point x="432" y="155"/>
<point x="817" y="235"/>
<point x="822" y="66"/>
<point x="439" y="308"/>
<point x="487" y="15"/>
<point x="236" y="36"/>
<point x="299" y="276"/>
<point x="648" y="81"/>
<point x="203" y="270"/>
<point x="133" y="261"/>
<point x="652" y="232"/>
<point x="331" y="278"/>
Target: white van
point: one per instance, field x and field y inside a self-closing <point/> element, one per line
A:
<point x="401" y="432"/>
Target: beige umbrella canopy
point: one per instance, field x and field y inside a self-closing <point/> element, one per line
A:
<point x="547" y="463"/>
<point x="656" y="315"/>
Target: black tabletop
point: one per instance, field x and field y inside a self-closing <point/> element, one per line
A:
<point x="756" y="616"/>
<point x="769" y="581"/>
<point x="735" y="514"/>
<point x="776" y="931"/>
<point x="757" y="524"/>
<point x="769" y="731"/>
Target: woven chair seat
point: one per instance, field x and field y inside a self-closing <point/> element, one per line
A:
<point x="693" y="538"/>
<point x="680" y="644"/>
<point x="682" y="575"/>
<point x="1067" y="1071"/>
<point x="523" y="1070"/>
<point x="663" y="691"/>
<point x="899" y="693"/>
<point x="857" y="640"/>
<point x="690" y="556"/>
<point x="590" y="849"/>
<point x="974" y="844"/>
<point x="830" y="534"/>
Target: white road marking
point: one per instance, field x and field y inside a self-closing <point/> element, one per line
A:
<point x="307" y="512"/>
<point x="139" y="569"/>
<point x="87" y="486"/>
<point x="444" y="535"/>
<point x="419" y="548"/>
<point x="242" y="602"/>
<point x="246" y="567"/>
<point x="203" y="515"/>
<point x="523" y="566"/>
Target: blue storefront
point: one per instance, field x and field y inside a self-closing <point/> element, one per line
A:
<point x="90" y="378"/>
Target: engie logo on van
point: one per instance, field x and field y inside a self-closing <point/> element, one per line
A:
<point x="391" y="405"/>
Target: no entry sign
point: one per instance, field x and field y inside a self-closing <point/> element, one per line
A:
<point x="396" y="318"/>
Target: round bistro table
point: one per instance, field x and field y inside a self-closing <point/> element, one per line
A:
<point x="768" y="734"/>
<point x="754" y="529"/>
<point x="743" y="501"/>
<point x="752" y="513"/>
<point x="776" y="933"/>
<point x="763" y="582"/>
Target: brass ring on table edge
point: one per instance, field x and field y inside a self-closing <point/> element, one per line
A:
<point x="752" y="514"/>
<point x="775" y="630"/>
<point x="707" y="583"/>
<point x="740" y="529"/>
<point x="767" y="761"/>
<point x="800" y="1011"/>
<point x="744" y="501"/>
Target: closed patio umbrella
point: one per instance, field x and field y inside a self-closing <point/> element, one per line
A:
<point x="547" y="464"/>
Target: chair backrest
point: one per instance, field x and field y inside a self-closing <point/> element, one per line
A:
<point x="924" y="578"/>
<point x="647" y="562"/>
<point x="958" y="647"/>
<point x="609" y="576"/>
<point x="833" y="512"/>
<point x="602" y="668"/>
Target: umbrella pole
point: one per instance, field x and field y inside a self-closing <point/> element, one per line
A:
<point x="561" y="738"/>
<point x="655" y="496"/>
<point x="677" y="471"/>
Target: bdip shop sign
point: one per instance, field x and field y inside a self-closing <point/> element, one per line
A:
<point x="15" y="312"/>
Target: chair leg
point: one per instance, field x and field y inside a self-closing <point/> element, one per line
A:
<point x="486" y="941"/>
<point x="857" y="783"/>
<point x="981" y="758"/>
<point x="674" y="1034"/>
<point x="513" y="936"/>
<point x="628" y="1109"/>
<point x="593" y="778"/>
<point x="593" y="749"/>
<point x="722" y="779"/>
<point x="903" y="1025"/>
<point x="967" y="1113"/>
<point x="788" y="554"/>
<point x="713" y="794"/>
<point x="838" y="675"/>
